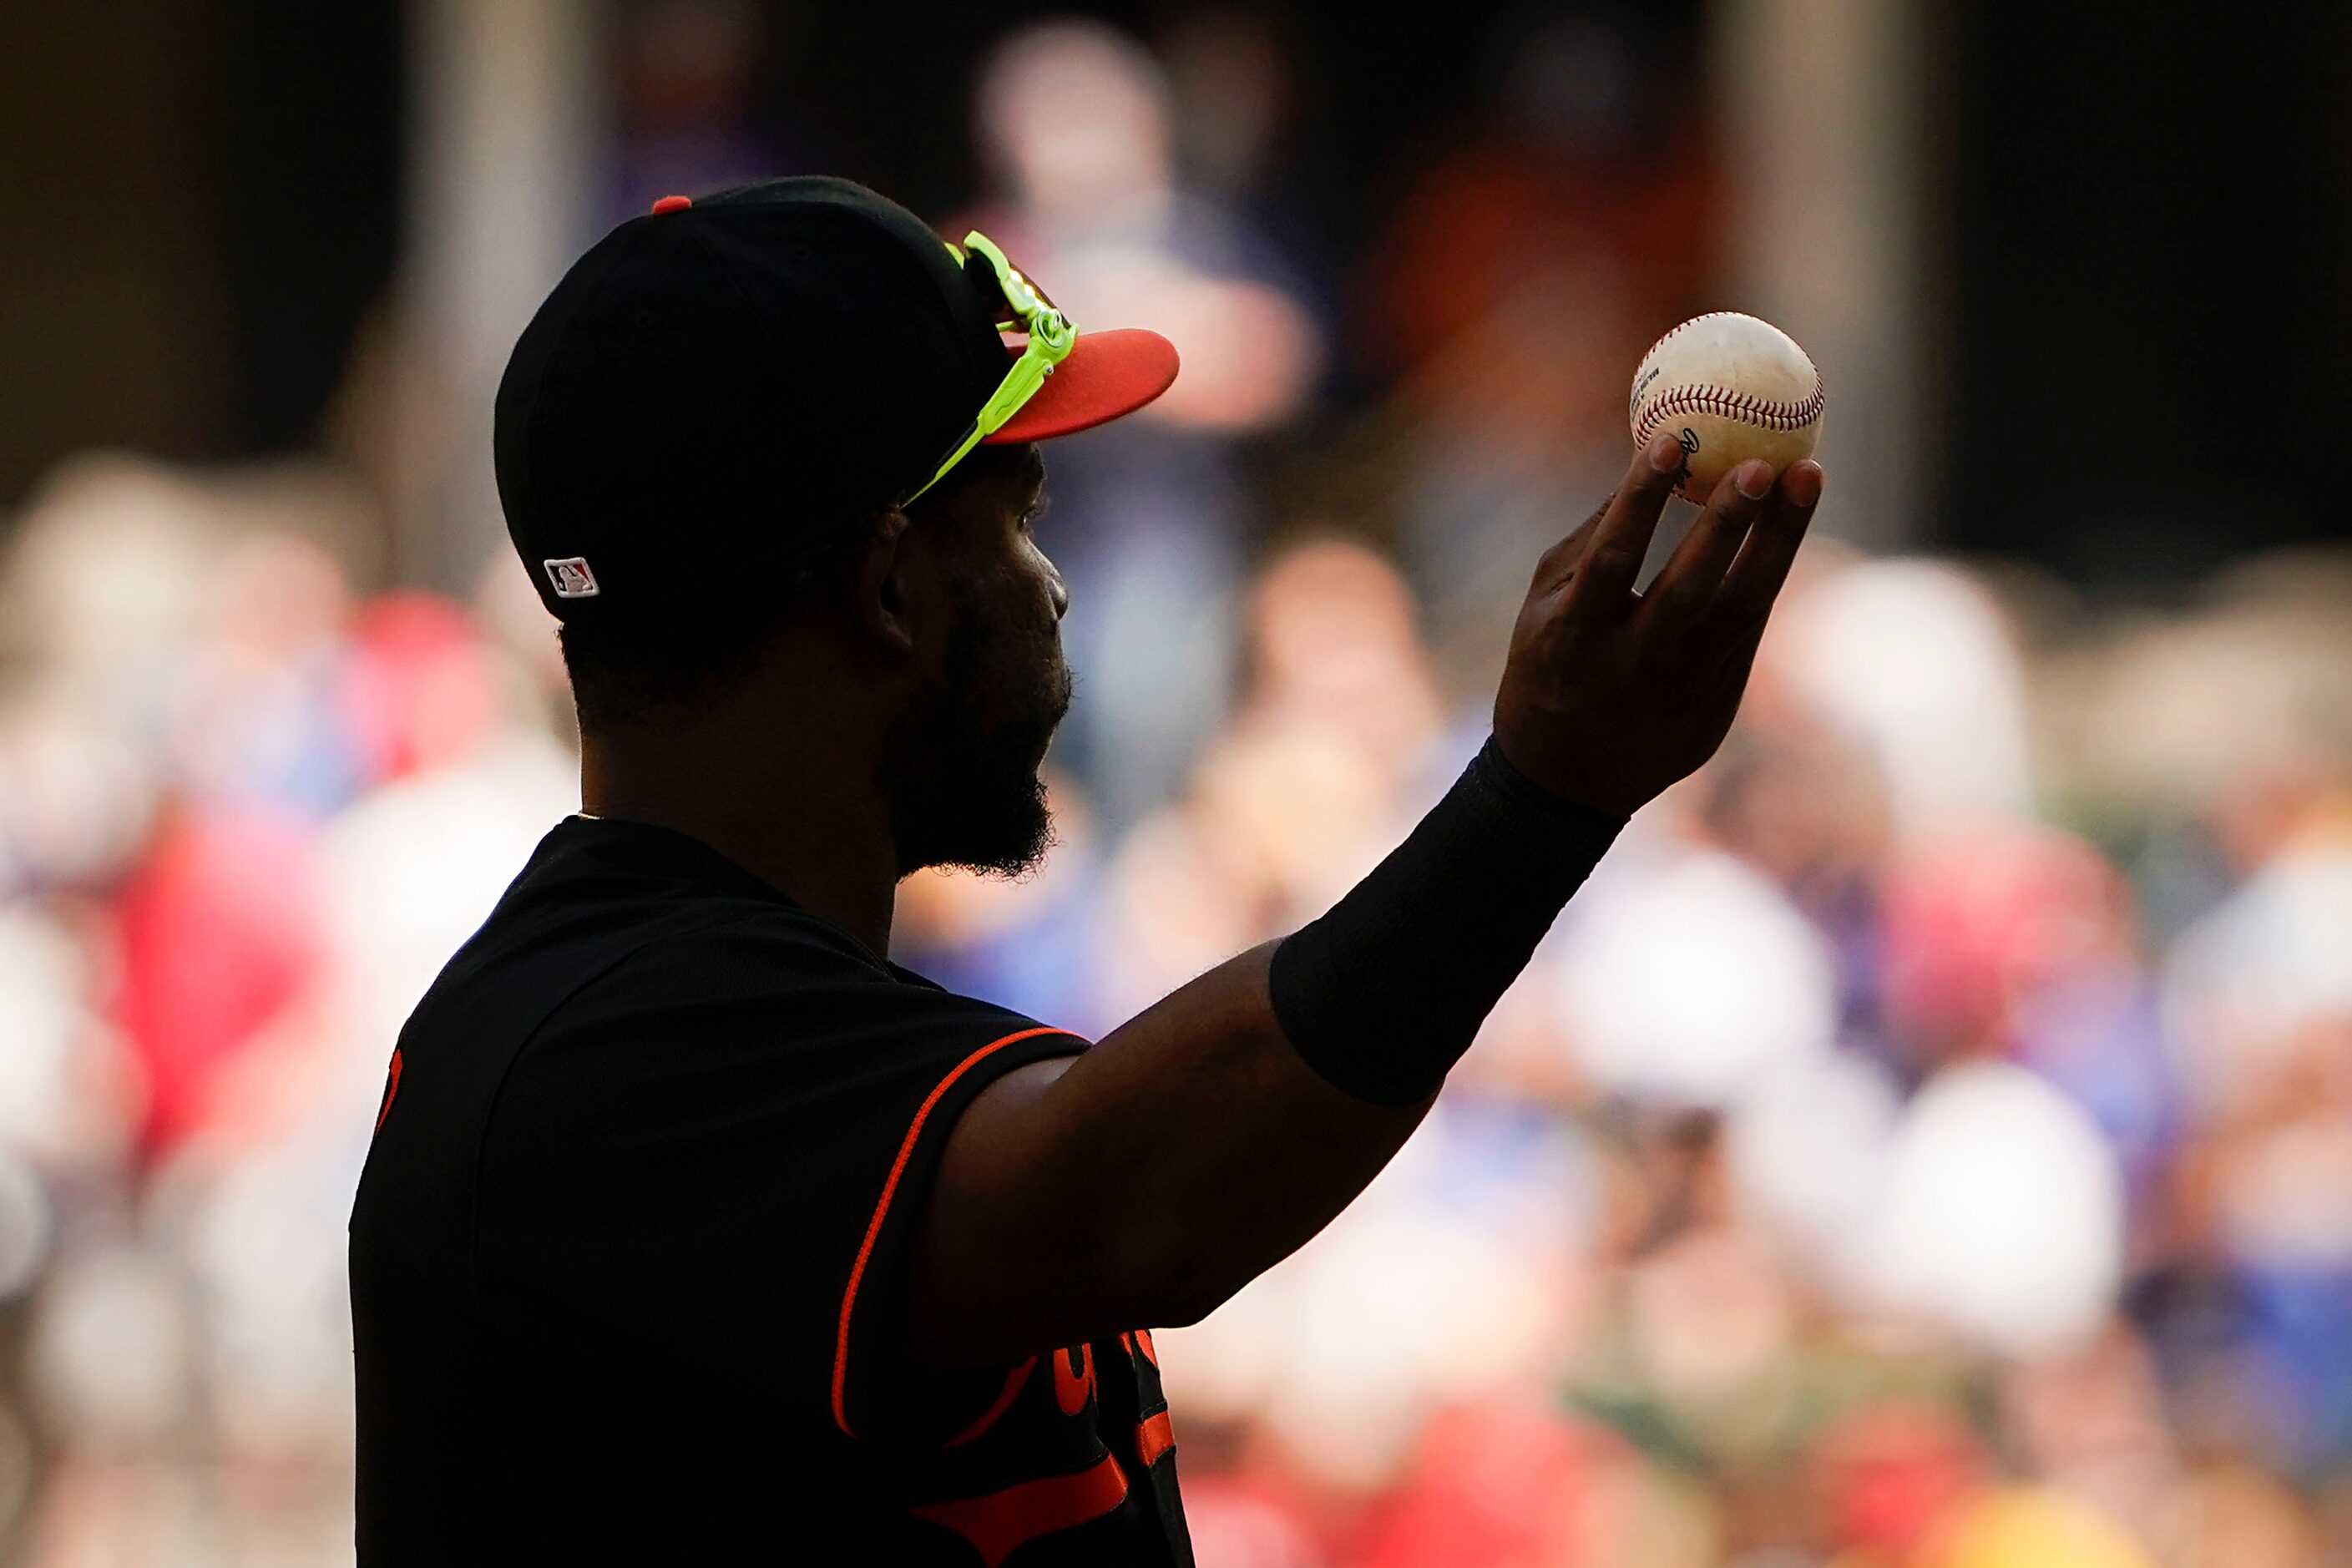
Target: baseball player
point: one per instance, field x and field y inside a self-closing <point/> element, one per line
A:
<point x="694" y="1229"/>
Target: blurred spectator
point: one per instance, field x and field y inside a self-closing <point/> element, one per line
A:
<point x="1147" y="523"/>
<point x="2000" y="1214"/>
<point x="687" y="114"/>
<point x="1917" y="663"/>
<point x="1691" y="981"/>
<point x="217" y="933"/>
<point x="1533" y="257"/>
<point x="1884" y="1476"/>
<point x="2030" y="1528"/>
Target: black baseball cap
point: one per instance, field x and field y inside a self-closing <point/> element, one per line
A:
<point x="717" y="385"/>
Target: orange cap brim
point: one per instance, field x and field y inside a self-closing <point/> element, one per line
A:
<point x="1107" y="374"/>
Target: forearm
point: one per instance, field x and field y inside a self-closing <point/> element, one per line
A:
<point x="1282" y="1082"/>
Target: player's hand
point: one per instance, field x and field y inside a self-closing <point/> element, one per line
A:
<point x="1609" y="695"/>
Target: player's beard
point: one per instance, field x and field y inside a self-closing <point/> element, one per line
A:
<point x="964" y="762"/>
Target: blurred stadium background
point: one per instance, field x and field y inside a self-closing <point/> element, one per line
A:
<point x="1927" y="1144"/>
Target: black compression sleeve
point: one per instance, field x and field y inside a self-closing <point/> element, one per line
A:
<point x="1383" y="994"/>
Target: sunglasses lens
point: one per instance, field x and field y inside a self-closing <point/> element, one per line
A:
<point x="1003" y="283"/>
<point x="1020" y="280"/>
<point x="989" y="289"/>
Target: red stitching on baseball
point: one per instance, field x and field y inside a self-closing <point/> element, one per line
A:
<point x="1728" y="403"/>
<point x="1724" y="402"/>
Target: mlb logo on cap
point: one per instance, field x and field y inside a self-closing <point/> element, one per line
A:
<point x="571" y="578"/>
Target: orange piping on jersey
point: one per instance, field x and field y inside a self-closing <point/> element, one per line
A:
<point x="1001" y="1522"/>
<point x="1154" y="1436"/>
<point x="1140" y="1339"/>
<point x="1014" y="1382"/>
<point x="391" y="1088"/>
<point x="882" y="1209"/>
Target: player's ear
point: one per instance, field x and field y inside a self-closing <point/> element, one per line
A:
<point x="881" y="597"/>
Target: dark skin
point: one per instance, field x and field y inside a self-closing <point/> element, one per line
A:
<point x="1033" y="1234"/>
<point x="802" y="738"/>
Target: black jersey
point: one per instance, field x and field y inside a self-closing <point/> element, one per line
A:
<point x="647" y="1152"/>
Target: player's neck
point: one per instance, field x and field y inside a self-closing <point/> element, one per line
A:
<point x="815" y="832"/>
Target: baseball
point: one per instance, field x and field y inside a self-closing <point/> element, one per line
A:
<point x="1729" y="387"/>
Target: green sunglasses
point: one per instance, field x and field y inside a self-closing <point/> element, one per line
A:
<point x="1051" y="335"/>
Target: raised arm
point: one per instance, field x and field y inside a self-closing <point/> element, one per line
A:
<point x="1144" y="1181"/>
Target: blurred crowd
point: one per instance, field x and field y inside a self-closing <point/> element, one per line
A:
<point x="1926" y="1144"/>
